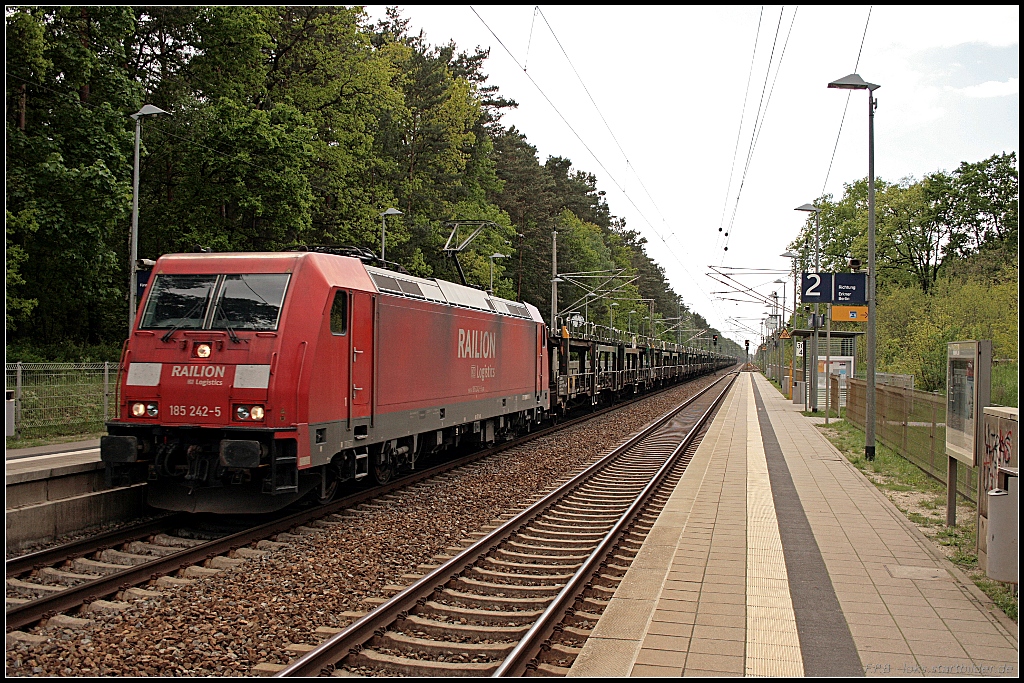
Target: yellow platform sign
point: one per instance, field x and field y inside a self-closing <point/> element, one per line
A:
<point x="850" y="314"/>
<point x="784" y="335"/>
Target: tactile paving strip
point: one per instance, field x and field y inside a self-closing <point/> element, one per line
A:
<point x="773" y="645"/>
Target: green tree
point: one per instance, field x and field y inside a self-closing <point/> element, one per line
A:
<point x="983" y="204"/>
<point x="68" y="173"/>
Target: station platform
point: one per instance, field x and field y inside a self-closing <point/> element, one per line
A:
<point x="18" y="461"/>
<point x="776" y="557"/>
<point x="59" y="490"/>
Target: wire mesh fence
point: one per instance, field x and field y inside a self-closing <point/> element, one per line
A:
<point x="61" y="398"/>
<point x="912" y="423"/>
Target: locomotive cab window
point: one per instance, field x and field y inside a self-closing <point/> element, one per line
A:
<point x="178" y="301"/>
<point x="249" y="301"/>
<point x="339" y="313"/>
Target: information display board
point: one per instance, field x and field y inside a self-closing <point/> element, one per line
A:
<point x="848" y="289"/>
<point x="968" y="377"/>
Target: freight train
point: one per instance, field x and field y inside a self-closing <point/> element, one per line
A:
<point x="251" y="380"/>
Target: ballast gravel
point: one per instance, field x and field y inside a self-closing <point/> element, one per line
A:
<point x="227" y="623"/>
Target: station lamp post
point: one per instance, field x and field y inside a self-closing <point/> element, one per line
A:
<point x="133" y="266"/>
<point x="792" y="374"/>
<point x="629" y="322"/>
<point x="383" y="217"/>
<point x="492" y="257"/>
<point x="814" y="328"/>
<point x="782" y="326"/>
<point x="855" y="82"/>
<point x="611" y="315"/>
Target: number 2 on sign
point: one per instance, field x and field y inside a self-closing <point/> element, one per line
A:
<point x="813" y="289"/>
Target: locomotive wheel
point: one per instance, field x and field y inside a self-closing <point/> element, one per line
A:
<point x="325" y="495"/>
<point x="383" y="466"/>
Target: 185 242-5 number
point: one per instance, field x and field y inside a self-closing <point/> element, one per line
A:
<point x="195" y="411"/>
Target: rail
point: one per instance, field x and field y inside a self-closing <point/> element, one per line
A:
<point x="337" y="647"/>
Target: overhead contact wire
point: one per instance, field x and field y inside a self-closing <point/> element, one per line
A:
<point x="753" y="134"/>
<point x="760" y="127"/>
<point x="846" y="106"/>
<point x="739" y="131"/>
<point x="595" y="157"/>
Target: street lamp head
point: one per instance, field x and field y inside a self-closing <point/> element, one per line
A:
<point x="788" y="254"/>
<point x="149" y="110"/>
<point x="807" y="207"/>
<point x="391" y="212"/>
<point x="496" y="255"/>
<point x="853" y="82"/>
<point x="615" y="303"/>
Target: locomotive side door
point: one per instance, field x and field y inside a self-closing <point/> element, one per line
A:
<point x="362" y="355"/>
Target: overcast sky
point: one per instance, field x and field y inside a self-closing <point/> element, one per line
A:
<point x="671" y="81"/>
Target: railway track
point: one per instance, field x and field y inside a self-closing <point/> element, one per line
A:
<point x="525" y="596"/>
<point x="167" y="550"/>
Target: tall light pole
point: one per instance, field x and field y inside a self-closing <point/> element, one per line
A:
<point x="492" y="257"/>
<point x="792" y="372"/>
<point x="383" y="217"/>
<point x="554" y="278"/>
<point x="776" y="322"/>
<point x="782" y="326"/>
<point x="611" y="315"/>
<point x="855" y="82"/>
<point x="814" y="328"/>
<point x="629" y="322"/>
<point x="133" y="266"/>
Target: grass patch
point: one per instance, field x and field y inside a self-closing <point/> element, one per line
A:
<point x="821" y="413"/>
<point x="923" y="500"/>
<point x="1004" y="383"/>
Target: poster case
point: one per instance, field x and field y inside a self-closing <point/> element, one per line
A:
<point x="968" y="381"/>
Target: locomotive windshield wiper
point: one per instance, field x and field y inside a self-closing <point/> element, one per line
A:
<point x="181" y="321"/>
<point x="221" y="313"/>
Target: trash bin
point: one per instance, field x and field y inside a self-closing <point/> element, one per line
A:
<point x="798" y="392"/>
<point x="1002" y="529"/>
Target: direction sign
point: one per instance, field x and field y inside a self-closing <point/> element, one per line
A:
<point x="848" y="289"/>
<point x="851" y="289"/>
<point x="852" y="314"/>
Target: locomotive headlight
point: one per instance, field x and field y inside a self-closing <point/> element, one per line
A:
<point x="203" y="350"/>
<point x="256" y="412"/>
<point x="242" y="412"/>
<point x="152" y="409"/>
<point x="139" y="409"/>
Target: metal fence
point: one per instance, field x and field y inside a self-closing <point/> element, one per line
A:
<point x="894" y="380"/>
<point x="912" y="423"/>
<point x="61" y="398"/>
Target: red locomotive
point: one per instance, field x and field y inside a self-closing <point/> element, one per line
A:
<point x="251" y="380"/>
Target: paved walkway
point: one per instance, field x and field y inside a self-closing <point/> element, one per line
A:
<point x="50" y="449"/>
<point x="44" y="462"/>
<point x="775" y="556"/>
